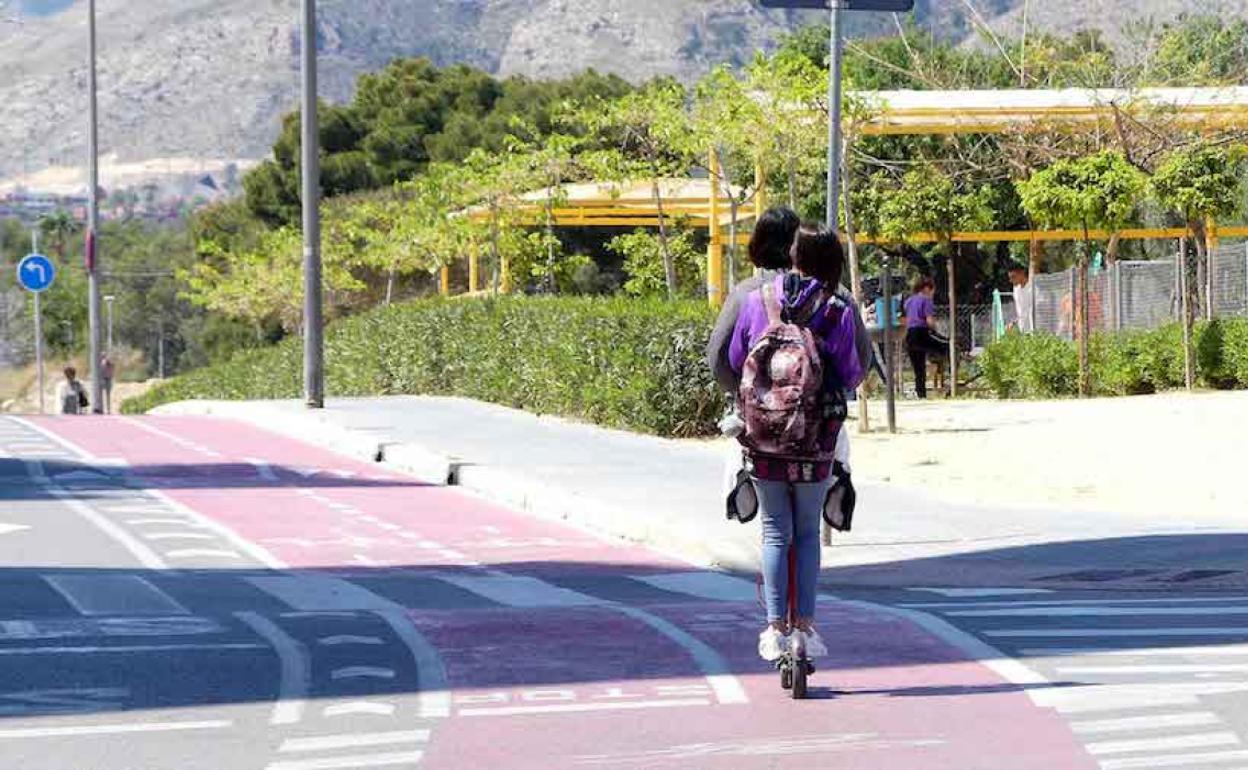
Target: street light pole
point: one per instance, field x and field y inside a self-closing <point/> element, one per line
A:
<point x="313" y="330"/>
<point x="93" y="215"/>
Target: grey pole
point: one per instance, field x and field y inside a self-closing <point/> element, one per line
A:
<point x="93" y="215"/>
<point x="109" y="301"/>
<point x="34" y="249"/>
<point x="836" y="51"/>
<point x="313" y="331"/>
<point x="887" y="322"/>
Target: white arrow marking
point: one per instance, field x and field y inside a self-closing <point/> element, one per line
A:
<point x="37" y="267"/>
<point x="6" y="529"/>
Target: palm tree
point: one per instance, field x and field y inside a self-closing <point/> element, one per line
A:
<point x="59" y="227"/>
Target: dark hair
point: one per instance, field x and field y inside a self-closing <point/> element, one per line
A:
<point x="817" y="253"/>
<point x="71" y="372"/>
<point x="773" y="235"/>
<point x="923" y="283"/>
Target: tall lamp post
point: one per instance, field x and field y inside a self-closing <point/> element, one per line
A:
<point x="313" y="330"/>
<point x="93" y="216"/>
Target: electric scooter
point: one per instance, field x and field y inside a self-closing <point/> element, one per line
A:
<point x="795" y="668"/>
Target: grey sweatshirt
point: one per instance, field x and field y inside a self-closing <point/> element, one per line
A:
<point x="717" y="347"/>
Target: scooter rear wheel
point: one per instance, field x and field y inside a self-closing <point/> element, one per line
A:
<point x="786" y="675"/>
<point x="799" y="672"/>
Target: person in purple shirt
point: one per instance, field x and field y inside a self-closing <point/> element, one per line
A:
<point x="791" y="510"/>
<point x="921" y="337"/>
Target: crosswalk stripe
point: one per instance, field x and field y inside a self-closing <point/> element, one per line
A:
<point x="1014" y="633"/>
<point x="1195" y="741"/>
<point x="318" y="593"/>
<point x="1195" y="668"/>
<point x="1072" y="602"/>
<point x="521" y="591"/>
<point x="1151" y="722"/>
<point x="348" y="763"/>
<point x="1173" y="760"/>
<point x="1097" y="611"/>
<point x="353" y="740"/>
<point x="704" y="585"/>
<point x="114" y="595"/>
<point x="1115" y="697"/>
<point x="1195" y="651"/>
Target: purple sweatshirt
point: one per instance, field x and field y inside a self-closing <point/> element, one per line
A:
<point x="835" y="336"/>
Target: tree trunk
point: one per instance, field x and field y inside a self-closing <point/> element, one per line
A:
<point x="1111" y="252"/>
<point x="1201" y="237"/>
<point x="494" y="251"/>
<point x="792" y="183"/>
<point x="669" y="267"/>
<point x="389" y="286"/>
<point x="732" y="221"/>
<point x="953" y="318"/>
<point x="1083" y="323"/>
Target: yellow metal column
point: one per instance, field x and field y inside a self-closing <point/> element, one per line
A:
<point x="444" y="281"/>
<point x="474" y="269"/>
<point x="715" y="284"/>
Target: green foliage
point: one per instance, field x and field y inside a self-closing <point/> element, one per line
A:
<point x="1200" y="51"/>
<point x="1031" y="366"/>
<point x="643" y="263"/>
<point x="626" y="363"/>
<point x="1201" y="180"/>
<point x="928" y="200"/>
<point x="1098" y="191"/>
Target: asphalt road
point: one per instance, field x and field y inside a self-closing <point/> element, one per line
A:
<point x="194" y="593"/>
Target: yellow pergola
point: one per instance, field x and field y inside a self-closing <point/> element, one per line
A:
<point x="703" y="203"/>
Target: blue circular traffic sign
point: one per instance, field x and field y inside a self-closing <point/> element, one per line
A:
<point x="35" y="273"/>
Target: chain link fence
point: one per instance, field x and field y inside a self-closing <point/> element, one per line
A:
<point x="1228" y="272"/>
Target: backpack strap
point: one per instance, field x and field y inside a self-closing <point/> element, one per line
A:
<point x="771" y="304"/>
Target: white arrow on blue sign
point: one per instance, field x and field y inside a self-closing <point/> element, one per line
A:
<point x="35" y="273"/>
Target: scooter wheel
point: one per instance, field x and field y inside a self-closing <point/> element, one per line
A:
<point x="799" y="672"/>
<point x="786" y="677"/>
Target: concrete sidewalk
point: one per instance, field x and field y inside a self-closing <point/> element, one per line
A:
<point x="666" y="494"/>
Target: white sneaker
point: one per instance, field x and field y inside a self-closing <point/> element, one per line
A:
<point x="772" y="644"/>
<point x="811" y="643"/>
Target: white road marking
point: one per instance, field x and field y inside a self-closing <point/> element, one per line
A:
<point x="1077" y="700"/>
<point x="362" y="672"/>
<point x="115" y="729"/>
<point x="1096" y="611"/>
<point x="719" y="676"/>
<point x="519" y="591"/>
<point x="1017" y="633"/>
<point x="371" y="708"/>
<point x="1214" y="650"/>
<point x="353" y="740"/>
<point x="319" y="593"/>
<point x="704" y="585"/>
<point x="263" y="469"/>
<point x="572" y="708"/>
<point x="1195" y="668"/>
<point x="179" y="536"/>
<point x="242" y="544"/>
<point x="1195" y="741"/>
<point x="160" y="522"/>
<point x="296" y="668"/>
<point x="114" y="595"/>
<point x="971" y="593"/>
<point x="350" y="763"/>
<point x="204" y="553"/>
<point x="6" y="529"/>
<point x="341" y="639"/>
<point x="1074" y="602"/>
<point x="1172" y="760"/>
<point x="34" y="630"/>
<point x="175" y="438"/>
<point x="129" y="648"/>
<point x="435" y="695"/>
<point x="1153" y="722"/>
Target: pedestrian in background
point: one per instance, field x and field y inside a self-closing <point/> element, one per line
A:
<point x="922" y="339"/>
<point x="106" y="382"/>
<point x="70" y="393"/>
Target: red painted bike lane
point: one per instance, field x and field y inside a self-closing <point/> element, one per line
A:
<point x="549" y="676"/>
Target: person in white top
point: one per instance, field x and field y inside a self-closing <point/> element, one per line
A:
<point x="1024" y="299"/>
<point x="70" y="394"/>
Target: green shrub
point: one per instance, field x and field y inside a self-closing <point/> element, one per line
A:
<point x="619" y="362"/>
<point x="1117" y="367"/>
<point x="1031" y="366"/>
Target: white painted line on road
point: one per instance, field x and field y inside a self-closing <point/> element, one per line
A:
<point x="319" y="593"/>
<point x="1153" y="722"/>
<point x="572" y="708"/>
<point x="435" y="695"/>
<point x="520" y="591"/>
<point x="83" y="455"/>
<point x="296" y="668"/>
<point x="203" y="553"/>
<point x="369" y="708"/>
<point x="719" y="676"/>
<point x="362" y="672"/>
<point x="94" y="595"/>
<point x="115" y="729"/>
<point x="1195" y="668"/>
<point x="1083" y="699"/>
<point x="1097" y="611"/>
<point x="160" y="522"/>
<point x="972" y="593"/>
<point x="341" y="639"/>
<point x="1228" y="650"/>
<point x="1195" y="741"/>
<point x="704" y="585"/>
<point x="353" y="740"/>
<point x="350" y="763"/>
<point x="1240" y="632"/>
<point x="263" y="469"/>
<point x="175" y="438"/>
<point x="1074" y="602"/>
<point x="180" y="536"/>
<point x="1173" y="760"/>
<point x="246" y="546"/>
<point x="130" y="648"/>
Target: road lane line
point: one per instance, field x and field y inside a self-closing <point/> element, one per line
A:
<point x="175" y="438"/>
<point x="704" y="585"/>
<point x="205" y="553"/>
<point x="350" y="763"/>
<point x="353" y="740"/>
<point x="1240" y="632"/>
<point x="520" y="591"/>
<point x="242" y="544"/>
<point x="130" y="648"/>
<point x="1073" y="602"/>
<point x="435" y="693"/>
<point x="179" y="536"/>
<point x="115" y="729"/>
<point x="1097" y="611"/>
<point x="974" y="593"/>
<point x="719" y="676"/>
<point x="94" y="595"/>
<point x="1195" y="668"/>
<point x="160" y="522"/>
<point x="86" y="457"/>
<point x="370" y="708"/>
<point x="1115" y="697"/>
<point x="295" y="681"/>
<point x="362" y="672"/>
<point x="572" y="708"/>
<point x="1173" y="760"/>
<point x="320" y="593"/>
<point x="1195" y="741"/>
<point x="1153" y="722"/>
<point x="341" y="639"/>
<point x="1213" y="650"/>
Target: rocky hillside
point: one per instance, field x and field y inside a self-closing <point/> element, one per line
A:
<point x="210" y="78"/>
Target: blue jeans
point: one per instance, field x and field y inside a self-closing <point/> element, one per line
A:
<point x="791" y="514"/>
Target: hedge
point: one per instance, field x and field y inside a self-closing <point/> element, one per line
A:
<point x="626" y="363"/>
<point x="1123" y="363"/>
